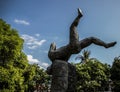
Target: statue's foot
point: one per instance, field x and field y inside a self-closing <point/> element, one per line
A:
<point x="111" y="44"/>
<point x="80" y="12"/>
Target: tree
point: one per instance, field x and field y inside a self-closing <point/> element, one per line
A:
<point x="41" y="78"/>
<point x="92" y="75"/>
<point x="85" y="57"/>
<point x="16" y="74"/>
<point x="10" y="43"/>
<point x="13" y="62"/>
<point x="115" y="74"/>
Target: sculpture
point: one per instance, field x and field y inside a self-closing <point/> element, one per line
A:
<point x="74" y="46"/>
<point x="59" y="57"/>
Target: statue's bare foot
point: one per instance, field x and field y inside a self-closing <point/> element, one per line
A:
<point x="80" y="12"/>
<point x="111" y="44"/>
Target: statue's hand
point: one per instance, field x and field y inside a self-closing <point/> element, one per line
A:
<point x="53" y="46"/>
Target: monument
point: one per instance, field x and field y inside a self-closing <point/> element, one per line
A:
<point x="62" y="72"/>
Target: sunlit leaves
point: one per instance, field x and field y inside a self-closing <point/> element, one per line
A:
<point x="115" y="74"/>
<point x="16" y="75"/>
<point x="92" y="75"/>
<point x="13" y="61"/>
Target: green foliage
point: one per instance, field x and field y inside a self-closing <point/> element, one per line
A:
<point x="10" y="43"/>
<point x="41" y="77"/>
<point x="16" y="75"/>
<point x="13" y="62"/>
<point x="115" y="70"/>
<point x="92" y="75"/>
<point x="115" y="74"/>
<point x="85" y="57"/>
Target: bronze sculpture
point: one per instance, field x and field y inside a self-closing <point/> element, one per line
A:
<point x="74" y="46"/>
<point x="61" y="70"/>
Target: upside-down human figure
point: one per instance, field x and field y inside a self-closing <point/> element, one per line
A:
<point x="74" y="46"/>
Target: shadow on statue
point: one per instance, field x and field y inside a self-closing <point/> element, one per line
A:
<point x="63" y="73"/>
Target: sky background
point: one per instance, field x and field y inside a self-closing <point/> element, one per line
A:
<point x="40" y="22"/>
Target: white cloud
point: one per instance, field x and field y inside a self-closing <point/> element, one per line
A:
<point x="21" y="22"/>
<point x="44" y="65"/>
<point x="33" y="60"/>
<point x="32" y="47"/>
<point x="32" y="42"/>
<point x="37" y="35"/>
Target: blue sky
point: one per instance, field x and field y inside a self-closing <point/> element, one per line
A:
<point x="41" y="22"/>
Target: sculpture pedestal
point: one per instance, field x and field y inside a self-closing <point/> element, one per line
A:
<point x="72" y="78"/>
<point x="64" y="76"/>
<point x="59" y="76"/>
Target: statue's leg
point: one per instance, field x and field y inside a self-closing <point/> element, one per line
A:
<point x="88" y="41"/>
<point x="73" y="32"/>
